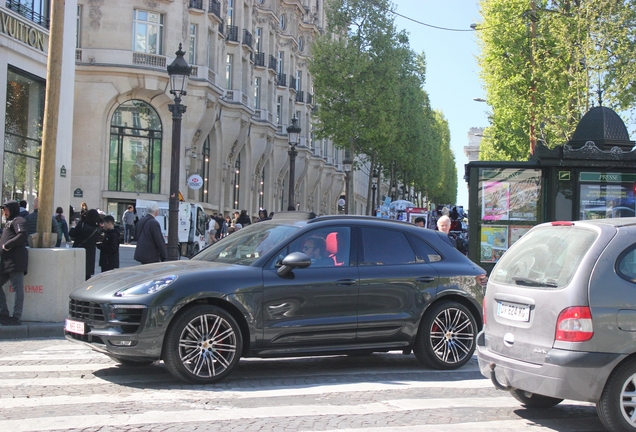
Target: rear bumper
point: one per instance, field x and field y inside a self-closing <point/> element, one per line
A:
<point x="565" y="374"/>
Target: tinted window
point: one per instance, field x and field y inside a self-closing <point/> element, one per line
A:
<point x="626" y="265"/>
<point x="548" y="257"/>
<point x="327" y="247"/>
<point x="424" y="252"/>
<point x="385" y="247"/>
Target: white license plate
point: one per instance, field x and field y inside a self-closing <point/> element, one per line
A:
<point x="74" y="326"/>
<point x="512" y="311"/>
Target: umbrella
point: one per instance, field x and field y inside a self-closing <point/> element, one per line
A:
<point x="400" y="205"/>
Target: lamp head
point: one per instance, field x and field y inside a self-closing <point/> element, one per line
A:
<point x="179" y="71"/>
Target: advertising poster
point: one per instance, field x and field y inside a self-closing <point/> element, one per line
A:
<point x="599" y="201"/>
<point x="494" y="242"/>
<point x="524" y="196"/>
<point x="495" y="201"/>
<point x="516" y="232"/>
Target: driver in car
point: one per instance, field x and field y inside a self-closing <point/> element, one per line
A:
<point x="316" y="249"/>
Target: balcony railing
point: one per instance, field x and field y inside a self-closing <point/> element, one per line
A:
<point x="281" y="80"/>
<point x="259" y="59"/>
<point x="18" y="7"/>
<point x="78" y="54"/>
<point x="272" y="62"/>
<point x="310" y="98"/>
<point x="215" y="8"/>
<point x="194" y="72"/>
<point x="149" y="60"/>
<point x="300" y="96"/>
<point x="221" y="30"/>
<point x="247" y="38"/>
<point x="293" y="82"/>
<point x="232" y="33"/>
<point x="196" y="4"/>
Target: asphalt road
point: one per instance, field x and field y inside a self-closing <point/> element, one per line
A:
<point x="53" y="384"/>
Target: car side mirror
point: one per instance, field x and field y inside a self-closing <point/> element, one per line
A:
<point x="292" y="261"/>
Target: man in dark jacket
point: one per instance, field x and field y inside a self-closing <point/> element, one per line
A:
<point x="151" y="247"/>
<point x="15" y="260"/>
<point x="109" y="246"/>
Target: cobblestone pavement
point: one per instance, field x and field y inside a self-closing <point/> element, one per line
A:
<point x="53" y="384"/>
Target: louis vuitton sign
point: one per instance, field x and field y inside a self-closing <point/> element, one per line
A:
<point x="24" y="32"/>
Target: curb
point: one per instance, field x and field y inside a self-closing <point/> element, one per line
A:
<point x="30" y="330"/>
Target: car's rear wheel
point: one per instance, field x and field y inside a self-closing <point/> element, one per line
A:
<point x="446" y="338"/>
<point x="533" y="400"/>
<point x="203" y="345"/>
<point x="617" y="406"/>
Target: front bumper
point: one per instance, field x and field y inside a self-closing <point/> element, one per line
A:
<point x="564" y="374"/>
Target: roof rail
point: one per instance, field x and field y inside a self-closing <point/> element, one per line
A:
<point x="294" y="215"/>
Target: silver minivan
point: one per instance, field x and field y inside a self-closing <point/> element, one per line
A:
<point x="560" y="318"/>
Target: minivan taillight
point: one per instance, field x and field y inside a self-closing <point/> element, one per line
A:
<point x="483" y="309"/>
<point x="574" y="324"/>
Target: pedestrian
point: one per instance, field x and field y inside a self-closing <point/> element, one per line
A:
<point x="23" y="209"/>
<point x="109" y="246"/>
<point x="32" y="220"/>
<point x="243" y="219"/>
<point x="128" y="220"/>
<point x="420" y="221"/>
<point x="262" y="215"/>
<point x="151" y="247"/>
<point x="213" y="227"/>
<point x="444" y="225"/>
<point x="83" y="210"/>
<point x="85" y="235"/>
<point x="62" y="227"/>
<point x="15" y="260"/>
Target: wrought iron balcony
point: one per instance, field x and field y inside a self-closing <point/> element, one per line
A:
<point x="247" y="38"/>
<point x="300" y="96"/>
<point x="259" y="59"/>
<point x="281" y="80"/>
<point x="293" y="83"/>
<point x="215" y="8"/>
<point x="18" y="7"/>
<point x="232" y="33"/>
<point x="272" y="62"/>
<point x="310" y="98"/>
<point x="196" y="4"/>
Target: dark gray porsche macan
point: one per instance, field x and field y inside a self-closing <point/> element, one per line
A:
<point x="373" y="285"/>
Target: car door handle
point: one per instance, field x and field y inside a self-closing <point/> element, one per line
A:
<point x="346" y="282"/>
<point x="425" y="279"/>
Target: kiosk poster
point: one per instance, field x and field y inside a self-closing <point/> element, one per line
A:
<point x="516" y="232"/>
<point x="495" y="201"/>
<point x="494" y="242"/>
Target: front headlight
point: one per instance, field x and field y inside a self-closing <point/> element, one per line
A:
<point x="150" y="287"/>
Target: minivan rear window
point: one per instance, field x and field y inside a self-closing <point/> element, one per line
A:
<point x="546" y="257"/>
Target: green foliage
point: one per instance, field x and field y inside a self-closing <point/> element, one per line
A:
<point x="542" y="62"/>
<point x="368" y="86"/>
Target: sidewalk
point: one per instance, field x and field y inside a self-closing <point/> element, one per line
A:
<point x="48" y="329"/>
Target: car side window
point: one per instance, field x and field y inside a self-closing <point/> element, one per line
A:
<point x="626" y="265"/>
<point x="385" y="247"/>
<point x="424" y="252"/>
<point x="326" y="247"/>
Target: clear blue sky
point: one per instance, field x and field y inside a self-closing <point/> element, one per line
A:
<point x="452" y="75"/>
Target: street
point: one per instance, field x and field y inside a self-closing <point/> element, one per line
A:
<point x="53" y="384"/>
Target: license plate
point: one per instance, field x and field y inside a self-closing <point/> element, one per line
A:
<point x="512" y="311"/>
<point x="76" y="327"/>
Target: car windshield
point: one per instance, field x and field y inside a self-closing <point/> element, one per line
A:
<point x="547" y="257"/>
<point x="247" y="244"/>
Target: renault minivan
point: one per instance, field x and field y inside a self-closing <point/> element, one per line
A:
<point x="560" y="318"/>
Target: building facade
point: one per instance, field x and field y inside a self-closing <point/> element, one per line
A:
<point x="24" y="46"/>
<point x="249" y="79"/>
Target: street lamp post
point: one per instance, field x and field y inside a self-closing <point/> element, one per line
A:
<point x="347" y="163"/>
<point x="293" y="134"/>
<point x="374" y="186"/>
<point x="179" y="71"/>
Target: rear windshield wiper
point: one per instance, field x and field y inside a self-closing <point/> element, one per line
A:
<point x="534" y="283"/>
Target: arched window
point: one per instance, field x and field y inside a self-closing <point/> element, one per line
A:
<point x="134" y="163"/>
<point x="206" y="170"/>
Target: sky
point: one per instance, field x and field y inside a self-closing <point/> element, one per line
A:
<point x="452" y="75"/>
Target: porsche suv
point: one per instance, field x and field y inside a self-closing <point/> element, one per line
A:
<point x="560" y="318"/>
<point x="296" y="285"/>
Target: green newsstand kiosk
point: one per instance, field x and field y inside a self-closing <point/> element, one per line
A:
<point x="592" y="176"/>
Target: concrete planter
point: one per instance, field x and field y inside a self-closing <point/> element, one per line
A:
<point x="52" y="275"/>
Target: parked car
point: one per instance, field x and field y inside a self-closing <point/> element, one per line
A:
<point x="291" y="286"/>
<point x="560" y="318"/>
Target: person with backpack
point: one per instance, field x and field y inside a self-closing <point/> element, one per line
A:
<point x="62" y="227"/>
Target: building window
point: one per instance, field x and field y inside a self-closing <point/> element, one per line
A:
<point x="257" y="93"/>
<point x="135" y="151"/>
<point x="229" y="59"/>
<point x="280" y="64"/>
<point x="283" y="21"/>
<point x="78" y="27"/>
<point x="22" y="135"/>
<point x="192" y="55"/>
<point x="299" y="79"/>
<point x="261" y="190"/>
<point x="148" y="32"/>
<point x="279" y="109"/>
<point x="230" y="12"/>
<point x="259" y="36"/>
<point x="301" y="43"/>
<point x="206" y="170"/>
<point x="237" y="181"/>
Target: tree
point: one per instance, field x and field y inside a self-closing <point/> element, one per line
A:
<point x="544" y="63"/>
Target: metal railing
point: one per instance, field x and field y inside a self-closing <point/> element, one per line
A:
<point x="300" y="96"/>
<point x="215" y="8"/>
<point x="18" y="7"/>
<point x="232" y="33"/>
<point x="247" y="38"/>
<point x="272" y="62"/>
<point x="310" y="98"/>
<point x="281" y="80"/>
<point x="196" y="4"/>
<point x="259" y="59"/>
<point x="293" y="83"/>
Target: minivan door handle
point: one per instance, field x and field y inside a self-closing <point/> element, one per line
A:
<point x="346" y="282"/>
<point x="426" y="279"/>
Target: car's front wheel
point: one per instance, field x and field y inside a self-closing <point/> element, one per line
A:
<point x="446" y="338"/>
<point x="533" y="400"/>
<point x="617" y="405"/>
<point x="203" y="345"/>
